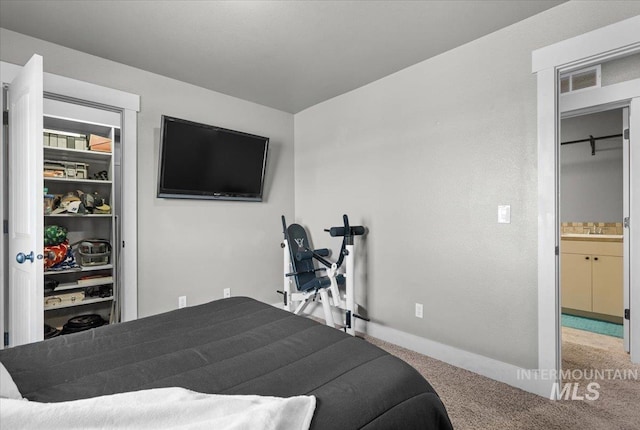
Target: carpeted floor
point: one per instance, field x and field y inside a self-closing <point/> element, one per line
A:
<point x="475" y="402"/>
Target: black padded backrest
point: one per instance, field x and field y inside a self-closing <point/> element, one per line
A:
<point x="304" y="268"/>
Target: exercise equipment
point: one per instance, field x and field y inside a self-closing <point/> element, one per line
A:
<point x="325" y="281"/>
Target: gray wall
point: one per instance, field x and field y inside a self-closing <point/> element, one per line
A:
<point x="424" y="157"/>
<point x="192" y="248"/>
<point x="591" y="186"/>
<point x="620" y="70"/>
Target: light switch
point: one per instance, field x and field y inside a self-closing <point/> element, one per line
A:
<point x="504" y="214"/>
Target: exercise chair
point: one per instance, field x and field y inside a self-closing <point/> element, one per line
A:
<point x="311" y="282"/>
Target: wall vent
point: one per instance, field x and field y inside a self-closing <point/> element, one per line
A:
<point x="580" y="80"/>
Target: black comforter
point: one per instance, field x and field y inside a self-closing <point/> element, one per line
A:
<point x="234" y="346"/>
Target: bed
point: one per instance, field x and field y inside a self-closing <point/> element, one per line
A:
<point x="233" y="346"/>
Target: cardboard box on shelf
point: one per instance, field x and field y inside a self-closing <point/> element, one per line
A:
<point x="99" y="143"/>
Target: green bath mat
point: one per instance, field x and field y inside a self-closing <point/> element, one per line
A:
<point x="595" y="326"/>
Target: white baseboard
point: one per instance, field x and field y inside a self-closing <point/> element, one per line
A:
<point x="485" y="366"/>
<point x="524" y="379"/>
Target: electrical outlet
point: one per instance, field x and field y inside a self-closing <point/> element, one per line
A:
<point x="226" y="293"/>
<point x="182" y="302"/>
<point x="418" y="310"/>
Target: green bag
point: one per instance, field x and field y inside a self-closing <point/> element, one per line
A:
<point x="54" y="235"/>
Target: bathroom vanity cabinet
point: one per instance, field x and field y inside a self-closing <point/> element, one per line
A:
<point x="592" y="276"/>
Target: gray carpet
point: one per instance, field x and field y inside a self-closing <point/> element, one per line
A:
<point x="475" y="402"/>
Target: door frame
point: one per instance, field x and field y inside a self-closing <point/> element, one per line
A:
<point x="607" y="43"/>
<point x="129" y="106"/>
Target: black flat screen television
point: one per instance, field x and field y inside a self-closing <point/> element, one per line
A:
<point x="199" y="161"/>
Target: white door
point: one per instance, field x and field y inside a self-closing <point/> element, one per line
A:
<point x="26" y="310"/>
<point x="634" y="232"/>
<point x="625" y="231"/>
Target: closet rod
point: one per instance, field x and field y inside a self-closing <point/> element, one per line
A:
<point x="592" y="140"/>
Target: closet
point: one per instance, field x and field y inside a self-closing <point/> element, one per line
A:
<point x="71" y="182"/>
<point x="81" y="211"/>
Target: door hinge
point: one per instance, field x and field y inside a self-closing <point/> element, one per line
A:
<point x="625" y="222"/>
<point x="5" y="226"/>
<point x="6" y="338"/>
<point x="627" y="314"/>
<point x="5" y="117"/>
<point x="625" y="134"/>
<point x="557" y="250"/>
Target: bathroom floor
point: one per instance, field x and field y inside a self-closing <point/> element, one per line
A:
<point x="592" y="325"/>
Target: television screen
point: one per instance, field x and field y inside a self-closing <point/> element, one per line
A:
<point x="199" y="161"/>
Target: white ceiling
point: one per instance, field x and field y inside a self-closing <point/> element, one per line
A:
<point x="285" y="54"/>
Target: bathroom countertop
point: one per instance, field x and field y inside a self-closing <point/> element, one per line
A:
<point x="592" y="237"/>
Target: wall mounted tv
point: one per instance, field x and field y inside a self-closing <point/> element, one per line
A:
<point x="199" y="161"/>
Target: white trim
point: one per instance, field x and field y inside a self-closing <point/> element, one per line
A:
<point x="605" y="42"/>
<point x="3" y="237"/>
<point x="548" y="240"/>
<point x="485" y="366"/>
<point x="129" y="223"/>
<point x="78" y="89"/>
<point x="616" y="93"/>
<point x="4" y="242"/>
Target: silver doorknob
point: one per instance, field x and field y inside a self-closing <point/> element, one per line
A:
<point x="22" y="257"/>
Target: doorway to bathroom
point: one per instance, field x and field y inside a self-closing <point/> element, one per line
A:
<point x="618" y="41"/>
<point x="593" y="201"/>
